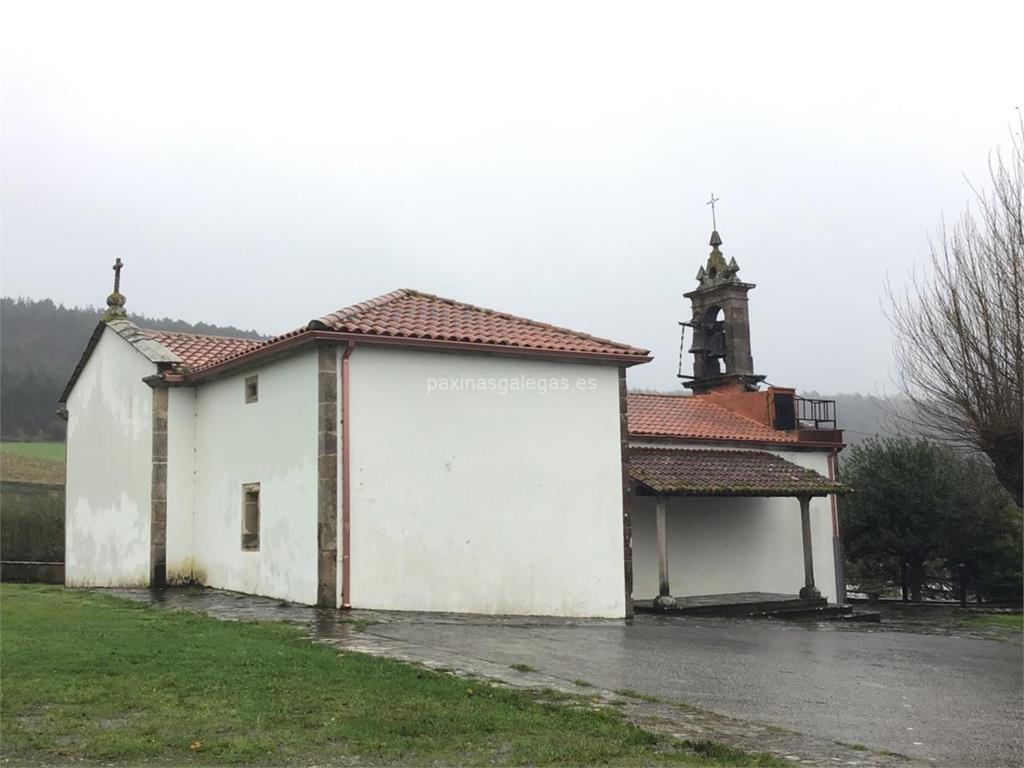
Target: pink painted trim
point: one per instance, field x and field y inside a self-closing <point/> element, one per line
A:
<point x="305" y="337"/>
<point x="346" y="527"/>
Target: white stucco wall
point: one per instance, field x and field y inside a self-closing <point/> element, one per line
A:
<point x="272" y="442"/>
<point x="109" y="469"/>
<point x="181" y="426"/>
<point x="482" y="502"/>
<point x="725" y="545"/>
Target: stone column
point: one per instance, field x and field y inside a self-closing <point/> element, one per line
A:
<point x="664" y="598"/>
<point x="808" y="591"/>
<point x="158" y="492"/>
<point x="327" y="478"/>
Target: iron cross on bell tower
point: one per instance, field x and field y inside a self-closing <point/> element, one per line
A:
<point x="711" y="202"/>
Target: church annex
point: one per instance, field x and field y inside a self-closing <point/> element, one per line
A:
<point x="409" y="452"/>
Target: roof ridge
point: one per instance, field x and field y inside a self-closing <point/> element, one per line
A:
<point x="705" y="403"/>
<point x="520" y="318"/>
<point x="202" y="335"/>
<point x="637" y="393"/>
<point x="347" y="313"/>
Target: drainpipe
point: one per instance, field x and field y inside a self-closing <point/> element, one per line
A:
<point x="346" y="538"/>
<point x="837" y="539"/>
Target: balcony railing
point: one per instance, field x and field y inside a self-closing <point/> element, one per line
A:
<point x="815" y="414"/>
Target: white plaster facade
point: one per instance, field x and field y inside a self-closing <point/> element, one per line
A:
<point x="109" y="461"/>
<point x="726" y="545"/>
<point x="273" y="442"/>
<point x="478" y="483"/>
<point x="469" y="496"/>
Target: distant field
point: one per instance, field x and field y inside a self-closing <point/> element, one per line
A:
<point x="49" y="451"/>
<point x="16" y="468"/>
<point x="32" y="501"/>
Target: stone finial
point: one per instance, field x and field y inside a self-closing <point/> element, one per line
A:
<point x="116" y="300"/>
<point x="717" y="270"/>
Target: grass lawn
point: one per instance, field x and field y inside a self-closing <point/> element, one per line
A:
<point x="50" y="451"/>
<point x="986" y="620"/>
<point x="91" y="678"/>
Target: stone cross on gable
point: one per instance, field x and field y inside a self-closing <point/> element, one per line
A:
<point x="115" y="301"/>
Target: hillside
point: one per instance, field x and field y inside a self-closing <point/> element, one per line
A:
<point x="863" y="416"/>
<point x="40" y="342"/>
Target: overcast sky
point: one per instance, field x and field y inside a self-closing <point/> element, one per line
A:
<point x="262" y="164"/>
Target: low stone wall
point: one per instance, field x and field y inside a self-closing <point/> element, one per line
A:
<point x="24" y="571"/>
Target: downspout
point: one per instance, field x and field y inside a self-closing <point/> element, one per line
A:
<point x="837" y="539"/>
<point x="346" y="533"/>
<point x="62" y="413"/>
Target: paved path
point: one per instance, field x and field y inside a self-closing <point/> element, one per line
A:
<point x="954" y="700"/>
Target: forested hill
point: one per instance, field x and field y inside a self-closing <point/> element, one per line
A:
<point x="40" y="342"/>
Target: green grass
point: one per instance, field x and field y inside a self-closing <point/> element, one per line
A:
<point x="522" y="668"/>
<point x="856" y="747"/>
<point x="49" y="451"/>
<point x="92" y="679"/>
<point x="986" y="620"/>
<point x="632" y="694"/>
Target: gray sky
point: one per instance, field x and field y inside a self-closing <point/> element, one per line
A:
<point x="262" y="164"/>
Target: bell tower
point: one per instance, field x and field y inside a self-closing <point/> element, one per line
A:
<point x="721" y="326"/>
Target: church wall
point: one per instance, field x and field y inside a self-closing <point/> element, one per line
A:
<point x="464" y="499"/>
<point x="181" y="423"/>
<point x="273" y="442"/>
<point x="724" y="545"/>
<point x="109" y="469"/>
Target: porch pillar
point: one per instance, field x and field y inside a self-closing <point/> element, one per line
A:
<point x="808" y="591"/>
<point x="664" y="598"/>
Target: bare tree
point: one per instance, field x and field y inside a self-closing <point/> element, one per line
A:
<point x="960" y="326"/>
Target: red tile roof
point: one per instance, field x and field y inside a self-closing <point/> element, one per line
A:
<point x="694" y="417"/>
<point x="197" y="350"/>
<point x="709" y="472"/>
<point x="411" y="314"/>
<point x="423" y="318"/>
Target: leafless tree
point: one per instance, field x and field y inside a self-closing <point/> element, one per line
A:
<point x="960" y="326"/>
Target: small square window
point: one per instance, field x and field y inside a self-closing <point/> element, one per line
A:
<point x="250" y="517"/>
<point x="252" y="389"/>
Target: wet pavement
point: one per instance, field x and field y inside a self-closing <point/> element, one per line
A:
<point x="821" y="693"/>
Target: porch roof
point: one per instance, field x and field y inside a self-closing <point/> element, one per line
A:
<point x="710" y="472"/>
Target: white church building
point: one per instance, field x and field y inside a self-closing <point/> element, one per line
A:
<point x="417" y="453"/>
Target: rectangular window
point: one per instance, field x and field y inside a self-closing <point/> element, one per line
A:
<point x="252" y="389"/>
<point x="250" y="517"/>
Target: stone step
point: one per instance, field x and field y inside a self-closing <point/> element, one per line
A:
<point x="738" y="608"/>
<point x="814" y="613"/>
<point x="821" y="613"/>
<point x="870" y="617"/>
